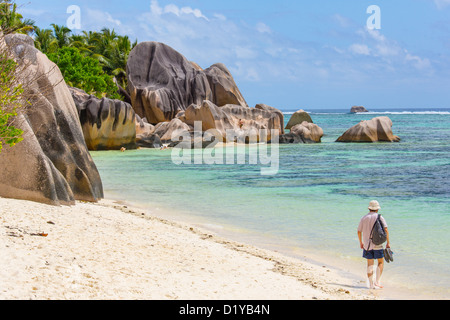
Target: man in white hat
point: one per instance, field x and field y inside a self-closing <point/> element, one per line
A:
<point x="371" y="251"/>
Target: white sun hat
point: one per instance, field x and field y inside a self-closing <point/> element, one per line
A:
<point x="374" y="205"/>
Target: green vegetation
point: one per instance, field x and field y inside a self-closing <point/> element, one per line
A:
<point x="12" y="21"/>
<point x="11" y="91"/>
<point x="84" y="72"/>
<point x="108" y="48"/>
<point x="92" y="61"/>
<point x="10" y="101"/>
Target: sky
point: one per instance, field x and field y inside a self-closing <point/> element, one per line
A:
<point x="291" y="54"/>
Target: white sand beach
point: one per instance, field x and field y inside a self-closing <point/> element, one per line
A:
<point x="111" y="251"/>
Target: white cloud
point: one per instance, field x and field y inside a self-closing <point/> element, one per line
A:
<point x="220" y="16"/>
<point x="342" y="21"/>
<point x="419" y="63"/>
<point x="174" y="9"/>
<point x="254" y="53"/>
<point x="387" y="52"/>
<point x="245" y="72"/>
<point x="376" y="35"/>
<point x="155" y="8"/>
<point x="92" y="19"/>
<point x="263" y="28"/>
<point x="441" y="4"/>
<point x="376" y="44"/>
<point x="102" y="17"/>
<point x="245" y="53"/>
<point x="361" y="49"/>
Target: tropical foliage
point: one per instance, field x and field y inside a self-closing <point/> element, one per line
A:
<point x="10" y="101"/>
<point x="107" y="47"/>
<point x="84" y="72"/>
<point x="92" y="61"/>
<point x="12" y="21"/>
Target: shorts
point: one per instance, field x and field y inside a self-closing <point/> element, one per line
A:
<point x="373" y="254"/>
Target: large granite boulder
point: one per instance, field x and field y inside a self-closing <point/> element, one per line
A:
<point x="305" y="132"/>
<point x="298" y="118"/>
<point x="375" y="130"/>
<point x="162" y="82"/>
<point x="169" y="131"/>
<point x="52" y="164"/>
<point x="145" y="134"/>
<point x="224" y="89"/>
<point x="107" y="124"/>
<point x="234" y="122"/>
<point x="274" y="110"/>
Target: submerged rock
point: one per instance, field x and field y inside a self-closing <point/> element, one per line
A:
<point x="375" y="130"/>
<point x="52" y="164"/>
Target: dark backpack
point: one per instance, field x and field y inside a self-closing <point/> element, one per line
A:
<point x="378" y="235"/>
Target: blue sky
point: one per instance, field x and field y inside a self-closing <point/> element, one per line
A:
<point x="292" y="54"/>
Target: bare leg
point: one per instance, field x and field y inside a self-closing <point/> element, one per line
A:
<point x="379" y="272"/>
<point x="370" y="264"/>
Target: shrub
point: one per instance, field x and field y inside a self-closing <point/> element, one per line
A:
<point x="84" y="72"/>
<point x="10" y="100"/>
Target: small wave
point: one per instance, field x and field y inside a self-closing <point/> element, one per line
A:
<point x="377" y="112"/>
<point x="410" y="112"/>
<point x="290" y="113"/>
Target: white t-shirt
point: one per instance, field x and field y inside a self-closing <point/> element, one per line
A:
<point x="366" y="225"/>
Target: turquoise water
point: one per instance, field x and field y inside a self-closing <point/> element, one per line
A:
<point x="319" y="194"/>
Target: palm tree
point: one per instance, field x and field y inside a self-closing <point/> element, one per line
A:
<point x="119" y="58"/>
<point x="61" y="33"/>
<point x="111" y="50"/>
<point x="81" y="43"/>
<point x="12" y="21"/>
<point x="44" y="40"/>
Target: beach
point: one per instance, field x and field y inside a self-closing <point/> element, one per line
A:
<point x="225" y="232"/>
<point x="110" y="250"/>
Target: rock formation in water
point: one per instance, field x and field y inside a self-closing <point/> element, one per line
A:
<point x="107" y="124"/>
<point x="235" y="122"/>
<point x="171" y="131"/>
<point x="52" y="164"/>
<point x="224" y="89"/>
<point x="375" y="130"/>
<point x="305" y="132"/>
<point x="358" y="109"/>
<point x="298" y="118"/>
<point x="145" y="134"/>
<point x="273" y="110"/>
<point x="162" y="82"/>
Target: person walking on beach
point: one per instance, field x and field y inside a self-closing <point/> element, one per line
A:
<point x="371" y="251"/>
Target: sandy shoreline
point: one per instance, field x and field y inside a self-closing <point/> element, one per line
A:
<point x="112" y="251"/>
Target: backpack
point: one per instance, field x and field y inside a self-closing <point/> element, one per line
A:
<point x="378" y="234"/>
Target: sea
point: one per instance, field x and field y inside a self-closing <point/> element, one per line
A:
<point x="312" y="206"/>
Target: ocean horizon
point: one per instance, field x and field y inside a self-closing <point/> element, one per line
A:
<point x="314" y="204"/>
